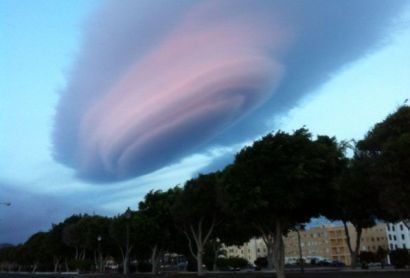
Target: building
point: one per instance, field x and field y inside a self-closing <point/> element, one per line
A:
<point x="398" y="236"/>
<point x="314" y="243"/>
<point x="372" y="239"/>
<point x="325" y="242"/>
<point x="253" y="249"/>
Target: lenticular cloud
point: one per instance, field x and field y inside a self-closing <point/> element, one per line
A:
<point x="153" y="83"/>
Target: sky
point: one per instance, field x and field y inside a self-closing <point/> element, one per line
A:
<point x="103" y="101"/>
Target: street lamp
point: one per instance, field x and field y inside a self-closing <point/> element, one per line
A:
<point x="300" y="227"/>
<point x="99" y="238"/>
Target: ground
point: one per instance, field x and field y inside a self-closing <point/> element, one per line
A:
<point x="309" y="274"/>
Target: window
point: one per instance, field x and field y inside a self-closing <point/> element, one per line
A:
<point x="402" y="236"/>
<point x="393" y="229"/>
<point x="388" y="227"/>
<point x="401" y="227"/>
<point x="404" y="246"/>
<point x="390" y="237"/>
<point x="391" y="246"/>
<point x="394" y="237"/>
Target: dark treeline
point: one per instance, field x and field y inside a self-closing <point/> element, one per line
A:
<point x="281" y="181"/>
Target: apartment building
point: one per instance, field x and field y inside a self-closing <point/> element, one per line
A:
<point x="322" y="242"/>
<point x="398" y="236"/>
<point x="314" y="243"/>
<point x="253" y="249"/>
<point x="371" y="240"/>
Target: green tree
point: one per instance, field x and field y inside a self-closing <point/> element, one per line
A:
<point x="387" y="146"/>
<point x="213" y="251"/>
<point x="36" y="249"/>
<point x="198" y="212"/>
<point x="354" y="199"/>
<point x="280" y="181"/>
<point x="55" y="245"/>
<point x="123" y="230"/>
<point x="74" y="235"/>
<point x="157" y="226"/>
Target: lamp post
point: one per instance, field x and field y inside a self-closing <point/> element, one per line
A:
<point x="99" y="238"/>
<point x="299" y="227"/>
<point x="127" y="215"/>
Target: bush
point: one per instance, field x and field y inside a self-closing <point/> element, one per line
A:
<point x="261" y="262"/>
<point x="400" y="258"/>
<point x="144" y="267"/>
<point x="192" y="265"/>
<point x="82" y="265"/>
<point x="368" y="257"/>
<point x="235" y="262"/>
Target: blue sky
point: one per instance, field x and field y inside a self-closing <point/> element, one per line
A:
<point x="43" y="42"/>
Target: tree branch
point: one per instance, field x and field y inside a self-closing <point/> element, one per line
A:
<point x="190" y="245"/>
<point x="210" y="231"/>
<point x="194" y="235"/>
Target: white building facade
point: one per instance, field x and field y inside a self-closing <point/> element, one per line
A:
<point x="398" y="236"/>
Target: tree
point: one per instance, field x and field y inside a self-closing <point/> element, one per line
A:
<point x="198" y="211"/>
<point x="37" y="250"/>
<point x="55" y="245"/>
<point x="280" y="181"/>
<point x="354" y="199"/>
<point x="74" y="235"/>
<point x="387" y="146"/>
<point x="97" y="238"/>
<point x="157" y="225"/>
<point x="122" y="229"/>
<point x="213" y="251"/>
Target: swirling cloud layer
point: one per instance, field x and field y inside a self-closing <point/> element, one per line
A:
<point x="153" y="84"/>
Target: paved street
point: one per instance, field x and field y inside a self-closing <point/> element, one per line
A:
<point x="310" y="274"/>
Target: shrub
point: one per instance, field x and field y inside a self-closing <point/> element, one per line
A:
<point x="400" y="258"/>
<point x="261" y="262"/>
<point x="235" y="262"/>
<point x="368" y="257"/>
<point x="144" y="267"/>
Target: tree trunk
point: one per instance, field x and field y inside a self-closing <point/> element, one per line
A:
<point x="354" y="253"/>
<point x="270" y="257"/>
<point x="125" y="269"/>
<point x="199" y="261"/>
<point x="66" y="265"/>
<point x="200" y="239"/>
<point x="95" y="260"/>
<point x="279" y="251"/>
<point x="154" y="260"/>
<point x="357" y="247"/>
<point x="216" y="250"/>
<point x="35" y="267"/>
<point x="56" y="264"/>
